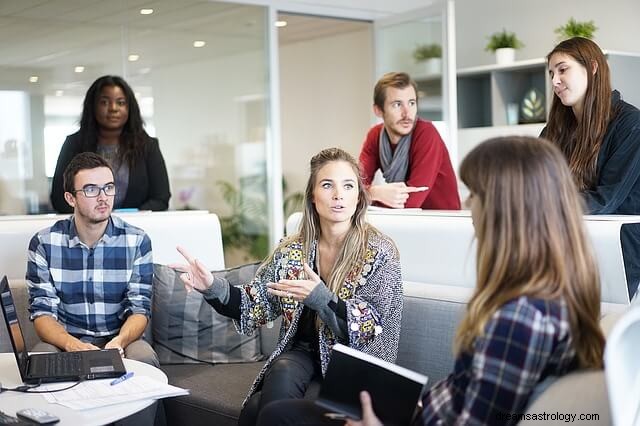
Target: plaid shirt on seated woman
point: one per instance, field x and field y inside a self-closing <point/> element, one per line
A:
<point x="525" y="341"/>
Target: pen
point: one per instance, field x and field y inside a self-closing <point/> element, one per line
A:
<point x="122" y="378"/>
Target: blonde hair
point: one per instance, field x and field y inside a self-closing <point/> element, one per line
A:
<point x="531" y="239"/>
<point x="354" y="247"/>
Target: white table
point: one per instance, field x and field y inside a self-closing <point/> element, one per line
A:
<point x="10" y="402"/>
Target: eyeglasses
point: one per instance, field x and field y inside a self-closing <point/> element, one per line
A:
<point x="92" y="191"/>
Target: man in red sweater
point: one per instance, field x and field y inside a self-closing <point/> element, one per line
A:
<point x="408" y="150"/>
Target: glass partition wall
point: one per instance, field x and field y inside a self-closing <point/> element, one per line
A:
<point x="201" y="74"/>
<point x="422" y="43"/>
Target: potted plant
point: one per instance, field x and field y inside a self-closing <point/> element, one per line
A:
<point x="504" y="45"/>
<point x="575" y="28"/>
<point x="431" y="56"/>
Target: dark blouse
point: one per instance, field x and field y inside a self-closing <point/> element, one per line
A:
<point x="617" y="190"/>
<point x="148" y="186"/>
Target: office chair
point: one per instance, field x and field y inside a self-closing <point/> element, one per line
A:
<point x="622" y="369"/>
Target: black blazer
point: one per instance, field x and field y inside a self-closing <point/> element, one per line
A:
<point x="148" y="181"/>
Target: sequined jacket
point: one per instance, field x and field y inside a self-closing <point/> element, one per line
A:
<point x="372" y="294"/>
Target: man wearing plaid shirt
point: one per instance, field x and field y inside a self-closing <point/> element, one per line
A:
<point x="90" y="275"/>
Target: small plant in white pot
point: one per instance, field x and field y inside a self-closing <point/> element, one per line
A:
<point x="431" y="56"/>
<point x="504" y="45"/>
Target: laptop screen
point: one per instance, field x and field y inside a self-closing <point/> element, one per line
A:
<point x="13" y="326"/>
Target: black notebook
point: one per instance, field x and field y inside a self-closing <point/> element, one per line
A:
<point x="394" y="390"/>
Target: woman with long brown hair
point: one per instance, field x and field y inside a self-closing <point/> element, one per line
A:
<point x="534" y="312"/>
<point x="337" y="280"/>
<point x="599" y="134"/>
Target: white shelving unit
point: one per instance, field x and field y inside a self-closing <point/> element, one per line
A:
<point x="484" y="92"/>
<point x="430" y="96"/>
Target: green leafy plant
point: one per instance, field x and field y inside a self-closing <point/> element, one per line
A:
<point x="503" y="39"/>
<point x="247" y="227"/>
<point x="423" y="52"/>
<point x="575" y="28"/>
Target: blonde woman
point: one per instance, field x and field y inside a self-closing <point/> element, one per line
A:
<point x="336" y="281"/>
<point x="535" y="309"/>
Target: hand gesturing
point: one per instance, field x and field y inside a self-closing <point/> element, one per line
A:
<point x="296" y="289"/>
<point x="194" y="274"/>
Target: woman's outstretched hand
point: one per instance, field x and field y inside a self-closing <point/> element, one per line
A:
<point x="194" y="274"/>
<point x="296" y="289"/>
<point x="369" y="418"/>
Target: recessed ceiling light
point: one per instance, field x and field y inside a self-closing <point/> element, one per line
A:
<point x="281" y="24"/>
<point x="199" y="43"/>
<point x="146" y="11"/>
<point x="133" y="57"/>
<point x="59" y="92"/>
<point x="145" y="70"/>
<point x="79" y="68"/>
<point x="33" y="79"/>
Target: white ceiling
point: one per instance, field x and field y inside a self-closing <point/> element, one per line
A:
<point x="354" y="9"/>
<point x="48" y="38"/>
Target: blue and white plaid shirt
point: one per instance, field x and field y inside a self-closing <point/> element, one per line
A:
<point x="525" y="341"/>
<point x="90" y="291"/>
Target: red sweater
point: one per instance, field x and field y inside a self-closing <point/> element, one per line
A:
<point x="429" y="165"/>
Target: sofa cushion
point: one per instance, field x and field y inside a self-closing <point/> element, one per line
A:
<point x="187" y="330"/>
<point x="581" y="393"/>
<point x="429" y="323"/>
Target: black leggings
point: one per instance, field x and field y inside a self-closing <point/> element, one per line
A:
<point x="295" y="412"/>
<point x="289" y="377"/>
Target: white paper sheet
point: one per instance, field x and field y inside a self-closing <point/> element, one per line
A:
<point x="99" y="393"/>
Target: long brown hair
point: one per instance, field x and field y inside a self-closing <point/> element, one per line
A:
<point x="580" y="141"/>
<point x="531" y="239"/>
<point x="355" y="243"/>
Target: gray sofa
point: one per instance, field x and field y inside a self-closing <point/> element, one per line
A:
<point x="217" y="391"/>
<point x="433" y="307"/>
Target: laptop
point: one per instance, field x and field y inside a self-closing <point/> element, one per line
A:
<point x="55" y="367"/>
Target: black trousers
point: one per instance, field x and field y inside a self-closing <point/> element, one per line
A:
<point x="295" y="412"/>
<point x="290" y="376"/>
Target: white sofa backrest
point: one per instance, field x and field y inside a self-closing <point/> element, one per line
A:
<point x="438" y="249"/>
<point x="197" y="231"/>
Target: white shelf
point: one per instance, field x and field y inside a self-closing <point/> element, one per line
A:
<point x="517" y="65"/>
<point x="484" y="92"/>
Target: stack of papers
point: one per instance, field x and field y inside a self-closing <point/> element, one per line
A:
<point x="103" y="393"/>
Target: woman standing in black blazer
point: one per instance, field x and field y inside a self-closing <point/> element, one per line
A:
<point x="112" y="126"/>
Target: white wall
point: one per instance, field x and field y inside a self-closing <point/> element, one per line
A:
<point x="534" y="22"/>
<point x="326" y="91"/>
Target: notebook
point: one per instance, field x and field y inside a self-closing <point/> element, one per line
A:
<point x="394" y="390"/>
<point x="56" y="367"/>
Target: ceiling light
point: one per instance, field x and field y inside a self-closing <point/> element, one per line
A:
<point x="59" y="92"/>
<point x="281" y="24"/>
<point x="33" y="79"/>
<point x="133" y="57"/>
<point x="199" y="43"/>
<point x="79" y="68"/>
<point x="145" y="70"/>
<point x="146" y="11"/>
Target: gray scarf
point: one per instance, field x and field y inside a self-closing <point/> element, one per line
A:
<point x="394" y="164"/>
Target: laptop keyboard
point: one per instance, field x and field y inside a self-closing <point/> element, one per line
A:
<point x="61" y="365"/>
